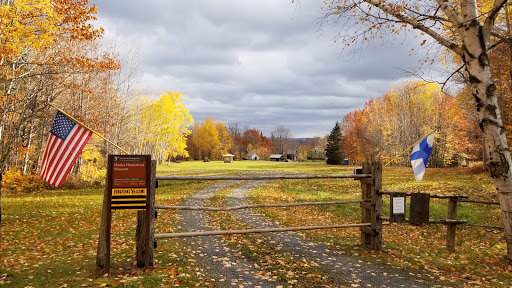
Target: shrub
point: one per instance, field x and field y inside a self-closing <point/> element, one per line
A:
<point x="15" y="182"/>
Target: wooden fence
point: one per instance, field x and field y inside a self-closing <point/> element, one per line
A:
<point x="451" y="220"/>
<point x="370" y="226"/>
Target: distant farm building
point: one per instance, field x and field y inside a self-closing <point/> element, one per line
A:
<point x="252" y="156"/>
<point x="228" y="158"/>
<point x="276" y="157"/>
<point x="292" y="155"/>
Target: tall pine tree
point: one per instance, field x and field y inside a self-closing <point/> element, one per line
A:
<point x="333" y="151"/>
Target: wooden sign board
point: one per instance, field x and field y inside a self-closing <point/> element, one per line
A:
<point x="129" y="181"/>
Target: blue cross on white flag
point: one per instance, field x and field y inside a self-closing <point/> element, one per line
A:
<point x="419" y="156"/>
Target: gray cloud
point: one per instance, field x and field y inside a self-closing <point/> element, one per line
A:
<point x="260" y="63"/>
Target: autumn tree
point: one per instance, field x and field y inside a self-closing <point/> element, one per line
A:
<point x="265" y="148"/>
<point x="333" y="150"/>
<point x="170" y="126"/>
<point x="224" y="140"/>
<point x="472" y="142"/>
<point x="204" y="140"/>
<point x="463" y="28"/>
<point x="251" y="140"/>
<point x="351" y="128"/>
<point x="159" y="128"/>
<point x="388" y="125"/>
<point x="193" y="142"/>
<point x="43" y="45"/>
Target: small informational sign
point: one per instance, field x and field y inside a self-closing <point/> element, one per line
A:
<point x="129" y="176"/>
<point x="398" y="205"/>
<point x="129" y="171"/>
<point x="397" y="209"/>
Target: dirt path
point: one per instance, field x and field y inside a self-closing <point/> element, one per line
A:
<point x="237" y="271"/>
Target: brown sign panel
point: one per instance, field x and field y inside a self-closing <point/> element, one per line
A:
<point x="129" y="176"/>
<point x="129" y="171"/>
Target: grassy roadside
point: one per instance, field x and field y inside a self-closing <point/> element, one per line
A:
<point x="49" y="239"/>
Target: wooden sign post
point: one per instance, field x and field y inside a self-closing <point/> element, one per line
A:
<point x="127" y="185"/>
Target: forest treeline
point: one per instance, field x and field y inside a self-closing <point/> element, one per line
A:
<point x="387" y="126"/>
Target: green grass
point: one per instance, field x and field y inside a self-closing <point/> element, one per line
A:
<point x="249" y="167"/>
<point x="49" y="238"/>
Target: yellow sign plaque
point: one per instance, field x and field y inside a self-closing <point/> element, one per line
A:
<point x="129" y="198"/>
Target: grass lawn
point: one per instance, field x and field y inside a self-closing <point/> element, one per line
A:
<point x="48" y="239"/>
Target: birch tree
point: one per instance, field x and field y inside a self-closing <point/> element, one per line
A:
<point x="466" y="28"/>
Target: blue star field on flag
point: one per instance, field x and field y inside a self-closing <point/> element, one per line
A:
<point x="62" y="125"/>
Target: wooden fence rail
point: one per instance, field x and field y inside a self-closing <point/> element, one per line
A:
<point x="256" y="206"/>
<point x="433" y="221"/>
<point x="248" y="231"/>
<point x="478" y="202"/>
<point x="461" y="197"/>
<point x="264" y="177"/>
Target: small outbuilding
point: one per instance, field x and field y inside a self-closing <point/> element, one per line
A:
<point x="228" y="158"/>
<point x="292" y="155"/>
<point x="276" y="157"/>
<point x="252" y="156"/>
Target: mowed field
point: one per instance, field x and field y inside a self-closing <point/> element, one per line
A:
<point x="48" y="239"/>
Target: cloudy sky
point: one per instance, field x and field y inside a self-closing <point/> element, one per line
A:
<point x="259" y="63"/>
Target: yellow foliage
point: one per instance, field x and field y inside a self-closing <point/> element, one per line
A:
<point x="391" y="123"/>
<point x="162" y="125"/>
<point x="14" y="181"/>
<point x="27" y="24"/>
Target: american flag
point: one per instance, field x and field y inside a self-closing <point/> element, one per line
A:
<point x="66" y="141"/>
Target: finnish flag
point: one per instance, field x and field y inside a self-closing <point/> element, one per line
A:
<point x="419" y="156"/>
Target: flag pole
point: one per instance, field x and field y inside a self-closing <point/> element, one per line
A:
<point x="88" y="128"/>
<point x="407" y="149"/>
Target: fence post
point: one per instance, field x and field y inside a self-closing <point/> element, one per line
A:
<point x="451" y="228"/>
<point x="103" y="249"/>
<point x="371" y="210"/>
<point x="377" y="205"/>
<point x="140" y="233"/>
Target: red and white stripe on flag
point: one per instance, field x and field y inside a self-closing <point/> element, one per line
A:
<point x="66" y="141"/>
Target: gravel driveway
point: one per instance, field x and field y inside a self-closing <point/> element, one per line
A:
<point x="231" y="269"/>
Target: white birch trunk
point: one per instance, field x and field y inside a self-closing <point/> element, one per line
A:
<point x="484" y="92"/>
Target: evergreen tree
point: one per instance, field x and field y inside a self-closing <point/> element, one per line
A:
<point x="333" y="150"/>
